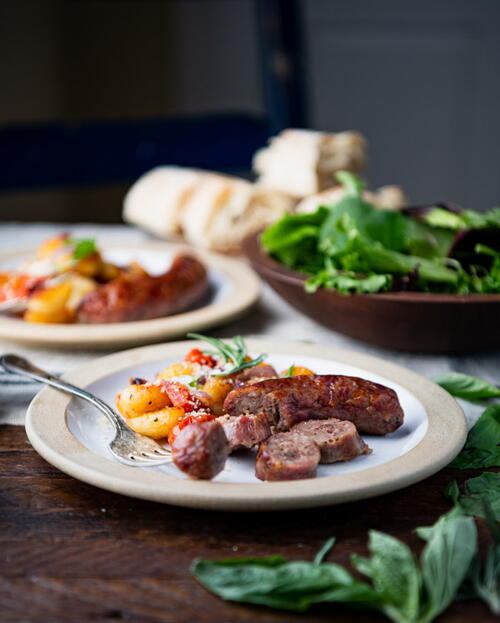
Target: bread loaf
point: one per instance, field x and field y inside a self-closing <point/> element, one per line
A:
<point x="303" y="162"/>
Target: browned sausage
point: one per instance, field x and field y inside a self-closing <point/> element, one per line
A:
<point x="287" y="456"/>
<point x="200" y="450"/>
<point x="139" y="297"/>
<point x="373" y="408"/>
<point x="337" y="440"/>
<point x="245" y="431"/>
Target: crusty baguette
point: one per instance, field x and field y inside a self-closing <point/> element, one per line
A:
<point x="156" y="200"/>
<point x="222" y="210"/>
<point x="303" y="162"/>
<point x="386" y="197"/>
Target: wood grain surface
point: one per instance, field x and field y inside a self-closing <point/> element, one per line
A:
<point x="71" y="553"/>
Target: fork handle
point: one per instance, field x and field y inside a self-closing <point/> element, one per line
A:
<point x="18" y="365"/>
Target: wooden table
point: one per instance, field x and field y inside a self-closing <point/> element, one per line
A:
<point x="70" y="552"/>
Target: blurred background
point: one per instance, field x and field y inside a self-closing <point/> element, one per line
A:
<point x="95" y="93"/>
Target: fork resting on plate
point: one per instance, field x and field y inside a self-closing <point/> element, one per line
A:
<point x="127" y="446"/>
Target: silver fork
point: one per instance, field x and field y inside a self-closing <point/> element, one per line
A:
<point x="127" y="446"/>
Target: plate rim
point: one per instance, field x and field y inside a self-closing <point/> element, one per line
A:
<point x="245" y="291"/>
<point x="446" y="432"/>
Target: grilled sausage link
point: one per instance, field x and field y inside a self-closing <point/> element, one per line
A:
<point x="372" y="408"/>
<point x="139" y="297"/>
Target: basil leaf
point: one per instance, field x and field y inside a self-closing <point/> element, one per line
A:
<point x="467" y="387"/>
<point x="324" y="551"/>
<point x="476" y="458"/>
<point x="446" y="559"/>
<point x="482" y="448"/>
<point x="476" y="490"/>
<point x="394" y="574"/>
<point x="486" y="431"/>
<point x="288" y="585"/>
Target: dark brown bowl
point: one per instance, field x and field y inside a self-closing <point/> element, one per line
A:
<point x="411" y="321"/>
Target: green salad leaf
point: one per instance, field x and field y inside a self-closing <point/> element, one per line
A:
<point x="475" y="491"/>
<point x="467" y="387"/>
<point x="353" y="246"/>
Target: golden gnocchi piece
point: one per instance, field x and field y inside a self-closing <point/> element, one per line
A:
<point x="176" y="369"/>
<point x="136" y="400"/>
<point x="156" y="424"/>
<point x="50" y="246"/>
<point x="50" y="305"/>
<point x="296" y="371"/>
<point x="217" y="388"/>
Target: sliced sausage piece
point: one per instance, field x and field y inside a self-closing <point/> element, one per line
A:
<point x="139" y="297"/>
<point x="245" y="431"/>
<point x="254" y="374"/>
<point x="287" y="456"/>
<point x="337" y="440"/>
<point x="373" y="408"/>
<point x="200" y="450"/>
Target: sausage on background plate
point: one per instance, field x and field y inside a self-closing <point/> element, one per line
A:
<point x="141" y="297"/>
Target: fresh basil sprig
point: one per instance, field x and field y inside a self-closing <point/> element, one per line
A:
<point x="482" y="448"/>
<point x="467" y="387"/>
<point x="475" y="491"/>
<point x="405" y="591"/>
<point x="234" y="353"/>
<point x="485" y="579"/>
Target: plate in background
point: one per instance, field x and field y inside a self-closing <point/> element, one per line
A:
<point x="72" y="436"/>
<point x="234" y="289"/>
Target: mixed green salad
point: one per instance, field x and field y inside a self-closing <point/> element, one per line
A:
<point x="356" y="247"/>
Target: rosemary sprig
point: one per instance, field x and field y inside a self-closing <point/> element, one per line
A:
<point x="234" y="352"/>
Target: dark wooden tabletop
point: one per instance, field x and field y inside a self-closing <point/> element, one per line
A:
<point x="70" y="552"/>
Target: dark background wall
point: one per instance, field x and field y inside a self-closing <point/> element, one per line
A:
<point x="420" y="80"/>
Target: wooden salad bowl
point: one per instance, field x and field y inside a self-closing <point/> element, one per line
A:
<point x="409" y="321"/>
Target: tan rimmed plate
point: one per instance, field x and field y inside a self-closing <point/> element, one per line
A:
<point x="234" y="289"/>
<point x="73" y="437"/>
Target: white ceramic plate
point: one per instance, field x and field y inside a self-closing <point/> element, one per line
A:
<point x="73" y="437"/>
<point x="234" y="289"/>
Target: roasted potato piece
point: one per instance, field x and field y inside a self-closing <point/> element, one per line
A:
<point x="176" y="369"/>
<point x="217" y="388"/>
<point x="50" y="305"/>
<point x="156" y="424"/>
<point x="136" y="400"/>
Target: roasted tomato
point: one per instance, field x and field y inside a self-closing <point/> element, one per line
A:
<point x="180" y="396"/>
<point x="18" y="286"/>
<point x="197" y="356"/>
<point x="189" y="419"/>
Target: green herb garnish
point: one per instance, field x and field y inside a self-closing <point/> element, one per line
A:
<point x="233" y="352"/>
<point x="289" y="372"/>
<point x="82" y="247"/>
